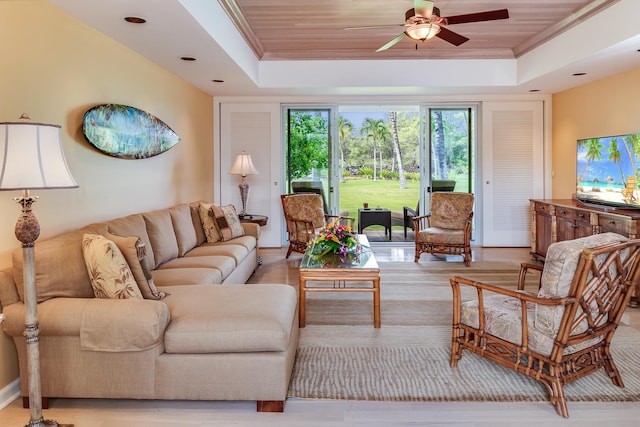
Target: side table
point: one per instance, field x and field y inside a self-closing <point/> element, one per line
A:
<point x="367" y="217"/>
<point x="261" y="220"/>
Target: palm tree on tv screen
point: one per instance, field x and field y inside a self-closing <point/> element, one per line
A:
<point x="594" y="147"/>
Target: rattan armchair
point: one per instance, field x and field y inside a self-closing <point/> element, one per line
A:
<point x="304" y="216"/>
<point x="447" y="228"/>
<point x="564" y="331"/>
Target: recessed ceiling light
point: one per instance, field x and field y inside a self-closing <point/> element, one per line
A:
<point x="578" y="74"/>
<point x="534" y="90"/>
<point x="187" y="58"/>
<point x="135" y="20"/>
<point x="217" y="81"/>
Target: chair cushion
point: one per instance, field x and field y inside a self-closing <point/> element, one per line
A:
<point x="305" y="206"/>
<point x="558" y="275"/>
<point x="441" y="236"/>
<point x="503" y="319"/>
<point x="230" y="318"/>
<point x="450" y="210"/>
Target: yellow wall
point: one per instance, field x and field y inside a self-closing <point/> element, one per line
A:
<point x="609" y="106"/>
<point x="55" y="68"/>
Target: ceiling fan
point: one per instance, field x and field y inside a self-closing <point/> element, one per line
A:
<point x="424" y="22"/>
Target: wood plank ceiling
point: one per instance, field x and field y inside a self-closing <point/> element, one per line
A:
<point x="314" y="29"/>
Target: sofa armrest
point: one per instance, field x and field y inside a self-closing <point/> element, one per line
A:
<point x="251" y="229"/>
<point x="101" y="324"/>
<point x="8" y="290"/>
<point x="115" y="325"/>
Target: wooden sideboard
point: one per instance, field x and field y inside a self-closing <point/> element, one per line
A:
<point x="555" y="220"/>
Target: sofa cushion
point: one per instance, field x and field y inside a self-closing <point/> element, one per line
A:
<point x="133" y="225"/>
<point x="109" y="272"/>
<point x="208" y="223"/>
<point x="237" y="252"/>
<point x="8" y="291"/>
<point x="134" y="250"/>
<point x="161" y="235"/>
<point x="183" y="227"/>
<point x="225" y="264"/>
<point x="186" y="276"/>
<point x="60" y="268"/>
<point x="227" y="222"/>
<point x="100" y="330"/>
<point x="230" y="318"/>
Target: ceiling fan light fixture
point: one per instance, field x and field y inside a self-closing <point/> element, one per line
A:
<point x="422" y="32"/>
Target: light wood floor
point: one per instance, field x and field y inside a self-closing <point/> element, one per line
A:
<point x="323" y="413"/>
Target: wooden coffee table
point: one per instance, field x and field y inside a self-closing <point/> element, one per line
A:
<point x="336" y="276"/>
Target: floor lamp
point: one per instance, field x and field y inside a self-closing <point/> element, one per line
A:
<point x="243" y="165"/>
<point x="31" y="157"/>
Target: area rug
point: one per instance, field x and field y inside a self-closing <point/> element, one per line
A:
<point x="341" y="355"/>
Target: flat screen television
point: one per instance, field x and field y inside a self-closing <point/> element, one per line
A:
<point x="607" y="171"/>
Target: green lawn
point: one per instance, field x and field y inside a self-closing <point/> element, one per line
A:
<point x="382" y="193"/>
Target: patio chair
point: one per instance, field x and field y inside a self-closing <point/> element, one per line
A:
<point x="561" y="333"/>
<point x="405" y="218"/>
<point x="447" y="228"/>
<point x="304" y="216"/>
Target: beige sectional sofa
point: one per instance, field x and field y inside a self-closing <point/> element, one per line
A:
<point x="212" y="337"/>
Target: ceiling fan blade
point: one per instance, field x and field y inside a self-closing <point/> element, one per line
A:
<point x="491" y="15"/>
<point x="374" y="26"/>
<point x="391" y="43"/>
<point x="451" y="37"/>
<point x="423" y="8"/>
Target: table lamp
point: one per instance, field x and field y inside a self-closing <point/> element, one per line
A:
<point x="243" y="165"/>
<point x="31" y="157"/>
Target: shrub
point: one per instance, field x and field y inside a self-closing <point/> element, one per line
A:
<point x="367" y="172"/>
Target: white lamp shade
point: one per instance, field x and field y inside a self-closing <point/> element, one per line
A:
<point x="243" y="165"/>
<point x="31" y="157"/>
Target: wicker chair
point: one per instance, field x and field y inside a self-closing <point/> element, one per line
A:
<point x="304" y="216"/>
<point x="447" y="229"/>
<point x="561" y="333"/>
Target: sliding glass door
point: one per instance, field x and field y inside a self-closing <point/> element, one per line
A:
<point x="308" y="157"/>
<point x="387" y="156"/>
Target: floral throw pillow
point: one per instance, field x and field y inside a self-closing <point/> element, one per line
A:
<point x="108" y="270"/>
<point x="208" y="224"/>
<point x="227" y="222"/>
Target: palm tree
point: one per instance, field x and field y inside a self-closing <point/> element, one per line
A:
<point x="378" y="131"/>
<point x="396" y="148"/>
<point x="614" y="156"/>
<point x="440" y="152"/>
<point x="345" y="127"/>
<point x="593" y="153"/>
<point x="634" y="142"/>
